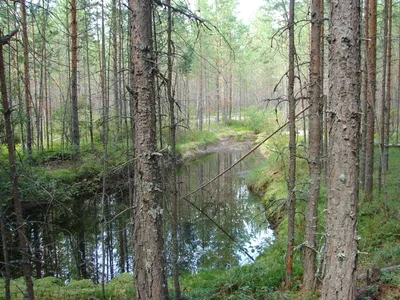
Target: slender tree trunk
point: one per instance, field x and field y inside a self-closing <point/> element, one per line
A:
<point x="42" y="91"/>
<point x="230" y="99"/>
<point x="172" y="132"/>
<point x="74" y="84"/>
<point x="292" y="150"/>
<point x="314" y="148"/>
<point x="369" y="149"/>
<point x="365" y="87"/>
<point x="217" y="79"/>
<point x="115" y="67"/>
<point x="89" y="84"/>
<point x="200" y="107"/>
<point x="383" y="96"/>
<point x="385" y="163"/>
<point x="26" y="80"/>
<point x="398" y="92"/>
<point x="20" y="227"/>
<point x="158" y="98"/>
<point x="340" y="281"/>
<point x="149" y="246"/>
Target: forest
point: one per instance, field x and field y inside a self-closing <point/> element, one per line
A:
<point x="181" y="150"/>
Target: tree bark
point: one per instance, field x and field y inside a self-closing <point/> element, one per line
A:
<point x="385" y="165"/>
<point x="314" y="146"/>
<point x="26" y="80"/>
<point x="344" y="124"/>
<point x="365" y="88"/>
<point x="174" y="188"/>
<point x="74" y="83"/>
<point x="383" y="96"/>
<point x="369" y="149"/>
<point x="292" y="150"/>
<point x="149" y="246"/>
<point x="89" y="82"/>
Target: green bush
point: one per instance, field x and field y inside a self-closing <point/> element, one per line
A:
<point x="121" y="287"/>
<point x="80" y="284"/>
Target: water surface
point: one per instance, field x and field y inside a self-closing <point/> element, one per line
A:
<point x="230" y="204"/>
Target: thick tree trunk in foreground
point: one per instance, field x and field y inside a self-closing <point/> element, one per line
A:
<point x="314" y="146"/>
<point x="23" y="244"/>
<point x="149" y="246"/>
<point x="344" y="121"/>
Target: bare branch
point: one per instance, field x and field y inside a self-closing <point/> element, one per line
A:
<point x="4" y="39"/>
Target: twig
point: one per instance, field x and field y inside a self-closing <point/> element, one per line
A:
<point x="4" y="39"/>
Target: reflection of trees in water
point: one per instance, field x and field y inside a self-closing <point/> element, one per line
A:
<point x="227" y="201"/>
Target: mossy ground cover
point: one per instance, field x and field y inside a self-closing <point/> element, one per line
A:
<point x="50" y="288"/>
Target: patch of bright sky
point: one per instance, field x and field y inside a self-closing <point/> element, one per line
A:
<point x="246" y="9"/>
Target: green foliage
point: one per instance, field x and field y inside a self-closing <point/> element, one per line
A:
<point x="259" y="280"/>
<point x="193" y="139"/>
<point x="121" y="287"/>
<point x="261" y="120"/>
<point x="378" y="224"/>
<point x="200" y="285"/>
<point x="80" y="284"/>
<point x="48" y="282"/>
<point x="392" y="278"/>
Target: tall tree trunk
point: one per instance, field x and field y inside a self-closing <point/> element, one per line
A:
<point x="89" y="82"/>
<point x="20" y="227"/>
<point x="340" y="281"/>
<point x="369" y="149"/>
<point x="314" y="146"/>
<point x="200" y="106"/>
<point x="230" y="98"/>
<point x="365" y="88"/>
<point x="172" y="133"/>
<point x="158" y="87"/>
<point x="149" y="246"/>
<point x="26" y="80"/>
<point x="104" y="101"/>
<point x="383" y="96"/>
<point x="74" y="83"/>
<point x="385" y="164"/>
<point x="292" y="150"/>
<point x="117" y="112"/>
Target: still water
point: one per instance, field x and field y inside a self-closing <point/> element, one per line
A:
<point x="230" y="204"/>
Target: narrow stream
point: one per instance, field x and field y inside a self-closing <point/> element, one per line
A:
<point x="230" y="204"/>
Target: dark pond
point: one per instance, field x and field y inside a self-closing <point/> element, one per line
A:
<point x="230" y="204"/>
